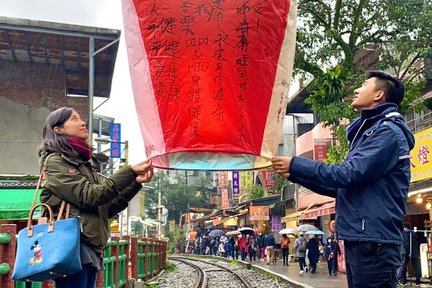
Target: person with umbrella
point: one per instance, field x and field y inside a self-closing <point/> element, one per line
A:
<point x="370" y="186"/>
<point x="243" y="246"/>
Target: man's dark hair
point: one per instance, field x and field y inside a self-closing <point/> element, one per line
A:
<point x="394" y="89"/>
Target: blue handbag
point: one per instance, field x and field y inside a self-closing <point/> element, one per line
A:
<point x="50" y="250"/>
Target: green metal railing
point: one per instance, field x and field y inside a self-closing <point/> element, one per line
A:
<point x="125" y="258"/>
<point x="109" y="261"/>
<point x="122" y="262"/>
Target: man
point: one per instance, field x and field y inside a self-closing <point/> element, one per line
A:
<point x="270" y="243"/>
<point x="405" y="254"/>
<point x="370" y="186"/>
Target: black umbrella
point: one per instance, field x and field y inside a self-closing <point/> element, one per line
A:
<point x="246" y="230"/>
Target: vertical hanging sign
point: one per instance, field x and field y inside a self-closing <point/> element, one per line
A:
<point x="236" y="184"/>
<point x="115" y="137"/>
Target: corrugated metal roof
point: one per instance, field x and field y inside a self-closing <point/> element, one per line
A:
<point x="63" y="45"/>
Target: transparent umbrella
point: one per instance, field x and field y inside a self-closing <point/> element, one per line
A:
<point x="231" y="233"/>
<point x="288" y="231"/>
<point x="307" y="227"/>
<point x="216" y="233"/>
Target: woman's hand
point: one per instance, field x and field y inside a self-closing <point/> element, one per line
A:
<point x="145" y="178"/>
<point x="144" y="171"/>
<point x="142" y="167"/>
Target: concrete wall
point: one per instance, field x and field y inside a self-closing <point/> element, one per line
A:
<point x="28" y="92"/>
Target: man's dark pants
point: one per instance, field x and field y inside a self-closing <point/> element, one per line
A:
<point x="371" y="264"/>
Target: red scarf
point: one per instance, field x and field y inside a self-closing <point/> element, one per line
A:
<point x="80" y="146"/>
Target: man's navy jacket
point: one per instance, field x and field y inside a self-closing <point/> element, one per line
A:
<point x="371" y="185"/>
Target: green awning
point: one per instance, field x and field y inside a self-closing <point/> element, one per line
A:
<point x="15" y="204"/>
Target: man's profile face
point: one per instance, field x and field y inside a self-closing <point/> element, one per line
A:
<point x="365" y="95"/>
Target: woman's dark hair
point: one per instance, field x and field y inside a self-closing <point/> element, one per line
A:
<point x="56" y="142"/>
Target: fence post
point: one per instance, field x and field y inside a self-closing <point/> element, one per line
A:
<point x="134" y="251"/>
<point x="159" y="256"/>
<point x="115" y="253"/>
<point x="126" y="252"/>
<point x="7" y="254"/>
<point x="147" y="257"/>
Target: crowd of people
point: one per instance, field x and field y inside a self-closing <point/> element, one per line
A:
<point x="307" y="250"/>
<point x="251" y="246"/>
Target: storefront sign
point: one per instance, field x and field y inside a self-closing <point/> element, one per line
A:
<point x="320" y="150"/>
<point x="230" y="222"/>
<point x="257" y="213"/>
<point x="421" y="162"/>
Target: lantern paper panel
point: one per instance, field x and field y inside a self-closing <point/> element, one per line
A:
<point x="210" y="79"/>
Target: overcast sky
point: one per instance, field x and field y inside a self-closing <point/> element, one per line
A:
<point x="98" y="13"/>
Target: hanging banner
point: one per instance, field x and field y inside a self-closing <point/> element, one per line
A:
<point x="276" y="223"/>
<point x="236" y="184"/>
<point x="210" y="79"/>
<point x="225" y="199"/>
<point x="222" y="179"/>
<point x="320" y="150"/>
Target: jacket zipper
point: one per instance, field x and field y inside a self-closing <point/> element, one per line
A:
<point x="363" y="224"/>
<point x="355" y="136"/>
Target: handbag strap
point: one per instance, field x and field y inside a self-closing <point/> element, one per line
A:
<point x="62" y="205"/>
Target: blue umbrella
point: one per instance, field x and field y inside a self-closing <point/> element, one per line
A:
<point x="314" y="232"/>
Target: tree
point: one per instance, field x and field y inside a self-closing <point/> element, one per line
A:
<point x="347" y="37"/>
<point x="176" y="195"/>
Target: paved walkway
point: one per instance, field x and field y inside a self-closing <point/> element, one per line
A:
<point x="319" y="280"/>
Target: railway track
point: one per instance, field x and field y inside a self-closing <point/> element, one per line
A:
<point x="208" y="276"/>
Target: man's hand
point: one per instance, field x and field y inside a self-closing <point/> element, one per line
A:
<point x="281" y="165"/>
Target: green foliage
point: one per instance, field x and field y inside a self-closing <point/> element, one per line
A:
<point x="353" y="35"/>
<point x="177" y="238"/>
<point x="280" y="182"/>
<point x="257" y="192"/>
<point x="170" y="266"/>
<point x="329" y="98"/>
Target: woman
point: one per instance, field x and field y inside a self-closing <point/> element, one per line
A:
<point x="66" y="159"/>
<point x="284" y="242"/>
<point x="330" y="256"/>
